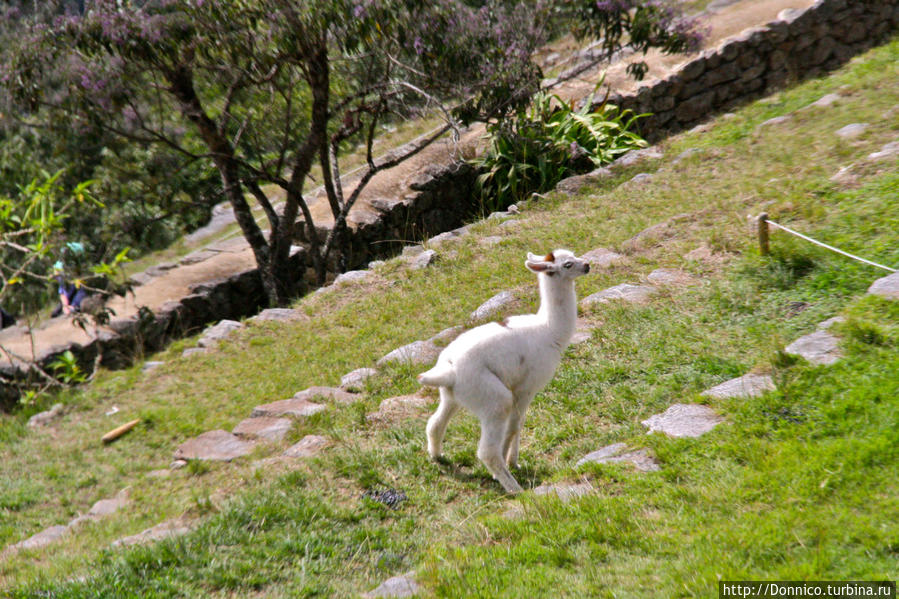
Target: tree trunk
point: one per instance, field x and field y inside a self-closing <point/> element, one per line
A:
<point x="223" y="155"/>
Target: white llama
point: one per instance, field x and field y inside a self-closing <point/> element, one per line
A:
<point x="496" y="369"/>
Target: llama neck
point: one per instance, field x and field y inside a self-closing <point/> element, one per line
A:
<point x="558" y="307"/>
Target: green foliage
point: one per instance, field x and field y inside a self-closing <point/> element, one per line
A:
<point x="67" y="369"/>
<point x="549" y="141"/>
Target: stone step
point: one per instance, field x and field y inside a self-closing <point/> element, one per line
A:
<point x="670" y="277"/>
<point x="292" y="408"/>
<point x="218" y="332"/>
<point x="398" y="586"/>
<point x="163" y="530"/>
<point x="355" y="381"/>
<point x="625" y="292"/>
<point x="416" y="353"/>
<point x="217" y="445"/>
<point x="565" y="491"/>
<point x="492" y="306"/>
<point x="748" y="385"/>
<point x="642" y="459"/>
<point x="308" y="446"/>
<point x="265" y="428"/>
<point x="887" y="286"/>
<point x="819" y="348"/>
<point x="398" y="407"/>
<point x="332" y="393"/>
<point x="684" y="420"/>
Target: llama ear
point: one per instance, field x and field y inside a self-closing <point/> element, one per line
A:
<point x="539" y="265"/>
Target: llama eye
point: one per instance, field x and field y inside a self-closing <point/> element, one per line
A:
<point x="567" y="265"/>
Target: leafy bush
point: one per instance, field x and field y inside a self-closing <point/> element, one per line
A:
<point x="547" y="142"/>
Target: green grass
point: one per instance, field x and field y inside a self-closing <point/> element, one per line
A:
<point x="798" y="484"/>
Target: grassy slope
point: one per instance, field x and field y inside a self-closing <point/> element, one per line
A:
<point x="799" y="484"/>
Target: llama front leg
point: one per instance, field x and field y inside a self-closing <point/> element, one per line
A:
<point x="513" y="437"/>
<point x="493" y="434"/>
<point x="510" y="447"/>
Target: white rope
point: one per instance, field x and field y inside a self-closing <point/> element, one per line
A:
<point x="829" y="247"/>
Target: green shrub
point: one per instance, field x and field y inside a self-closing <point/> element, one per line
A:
<point x="547" y="142"/>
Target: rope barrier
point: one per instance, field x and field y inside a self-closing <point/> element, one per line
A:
<point x="763" y="220"/>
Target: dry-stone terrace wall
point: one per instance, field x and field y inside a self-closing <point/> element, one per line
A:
<point x="799" y="44"/>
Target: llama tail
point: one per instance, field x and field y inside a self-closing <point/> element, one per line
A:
<point x="442" y="375"/>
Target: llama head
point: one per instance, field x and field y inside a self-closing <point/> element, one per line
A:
<point x="558" y="262"/>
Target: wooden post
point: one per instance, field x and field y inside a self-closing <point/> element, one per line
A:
<point x="762" y="221"/>
<point x="118" y="432"/>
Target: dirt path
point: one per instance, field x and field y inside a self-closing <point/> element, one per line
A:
<point x="224" y="258"/>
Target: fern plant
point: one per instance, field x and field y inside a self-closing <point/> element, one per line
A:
<point x="549" y="141"/>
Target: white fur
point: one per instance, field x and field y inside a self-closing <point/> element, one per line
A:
<point x="495" y="370"/>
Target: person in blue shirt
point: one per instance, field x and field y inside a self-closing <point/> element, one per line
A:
<point x="70" y="294"/>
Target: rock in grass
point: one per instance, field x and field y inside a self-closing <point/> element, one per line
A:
<point x="601" y="258"/>
<point x="565" y="491"/>
<point x="398" y="406"/>
<point x="748" y="385"/>
<point x="492" y="306"/>
<point x="775" y="121"/>
<point x="355" y="380"/>
<point x="218" y="332"/>
<point x="278" y="315"/>
<point x="417" y="352"/>
<point x="423" y="260"/>
<point x="352" y="276"/>
<point x="684" y="420"/>
<point x="164" y="530"/>
<point x="306" y="447"/>
<point x="852" y="131"/>
<point x="46" y="417"/>
<point x="293" y="408"/>
<point x="624" y="292"/>
<point x="104" y="507"/>
<point x="217" y="445"/>
<point x="887" y="152"/>
<point x="670" y="276"/>
<point x="333" y="393"/>
<point x="447" y="335"/>
<point x="41" y="539"/>
<point x="635" y="156"/>
<point x="437" y="240"/>
<point x="824" y="101"/>
<point x="820" y="348"/>
<point x="642" y="459"/>
<point x="886" y="286"/>
<point x="267" y="428"/>
<point x="398" y="586"/>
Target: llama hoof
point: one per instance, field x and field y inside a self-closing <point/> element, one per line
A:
<point x="513" y="490"/>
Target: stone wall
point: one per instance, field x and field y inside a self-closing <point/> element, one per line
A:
<point x="798" y="45"/>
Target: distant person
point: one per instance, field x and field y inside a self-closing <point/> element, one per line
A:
<point x="70" y="294"/>
<point x="6" y="319"/>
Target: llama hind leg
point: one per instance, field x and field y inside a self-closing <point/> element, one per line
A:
<point x="438" y="421"/>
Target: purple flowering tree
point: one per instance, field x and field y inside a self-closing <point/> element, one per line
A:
<point x="269" y="88"/>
